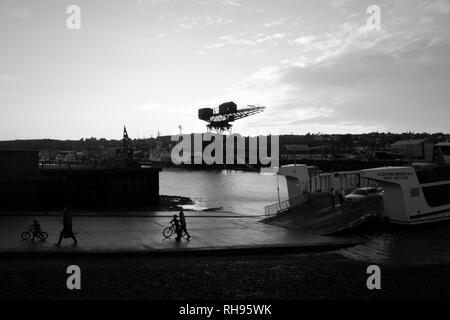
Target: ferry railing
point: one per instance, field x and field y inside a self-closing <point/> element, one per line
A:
<point x="283" y="206"/>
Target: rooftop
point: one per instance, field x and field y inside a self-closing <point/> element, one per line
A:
<point x="410" y="142"/>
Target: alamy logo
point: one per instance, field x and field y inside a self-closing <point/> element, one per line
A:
<point x="374" y="280"/>
<point x="226" y="149"/>
<point x="74" y="280"/>
<point x="374" y="20"/>
<point x="73" y="22"/>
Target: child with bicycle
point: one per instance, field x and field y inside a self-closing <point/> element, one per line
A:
<point x="34" y="231"/>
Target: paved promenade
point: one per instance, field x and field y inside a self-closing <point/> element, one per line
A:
<point x="134" y="234"/>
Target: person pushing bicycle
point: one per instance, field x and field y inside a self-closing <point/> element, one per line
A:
<point x="177" y="225"/>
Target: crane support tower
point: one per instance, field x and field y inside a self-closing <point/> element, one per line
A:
<point x="220" y="118"/>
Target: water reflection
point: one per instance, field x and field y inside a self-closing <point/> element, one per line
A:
<point x="397" y="245"/>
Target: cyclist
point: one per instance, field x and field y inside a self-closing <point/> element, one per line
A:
<point x="36" y="228"/>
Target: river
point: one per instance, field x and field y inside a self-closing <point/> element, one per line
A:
<point x="240" y="192"/>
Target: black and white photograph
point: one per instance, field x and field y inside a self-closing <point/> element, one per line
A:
<point x="224" y="158"/>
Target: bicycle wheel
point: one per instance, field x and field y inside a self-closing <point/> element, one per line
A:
<point x="26" y="235"/>
<point x="167" y="232"/>
<point x="43" y="235"/>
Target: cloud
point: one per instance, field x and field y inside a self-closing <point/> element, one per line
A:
<point x="338" y="3"/>
<point x="270" y="38"/>
<point x="358" y="78"/>
<point x="195" y="23"/>
<point x="436" y="6"/>
<point x="233" y="3"/>
<point x="274" y="23"/>
<point x="303" y="40"/>
<point x="246" y="40"/>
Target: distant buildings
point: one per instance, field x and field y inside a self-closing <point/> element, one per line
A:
<point x="371" y="146"/>
<point x="297" y="148"/>
<point x="62" y="156"/>
<point x="414" y="149"/>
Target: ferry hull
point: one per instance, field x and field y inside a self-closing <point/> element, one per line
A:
<point x="427" y="218"/>
<point x="407" y="201"/>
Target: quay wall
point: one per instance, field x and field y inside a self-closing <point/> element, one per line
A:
<point x="18" y="163"/>
<point x="84" y="188"/>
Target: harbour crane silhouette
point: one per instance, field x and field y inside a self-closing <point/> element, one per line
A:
<point x="220" y="118"/>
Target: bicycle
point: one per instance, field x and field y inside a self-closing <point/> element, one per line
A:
<point x="33" y="232"/>
<point x="169" y="231"/>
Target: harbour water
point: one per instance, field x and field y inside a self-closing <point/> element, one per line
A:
<point x="247" y="193"/>
<point x="239" y="192"/>
<point x="395" y="245"/>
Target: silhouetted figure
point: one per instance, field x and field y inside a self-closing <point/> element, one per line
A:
<point x="36" y="227"/>
<point x="67" y="228"/>
<point x="333" y="197"/>
<point x="306" y="196"/>
<point x="176" y="223"/>
<point x="183" y="224"/>
<point x="341" y="197"/>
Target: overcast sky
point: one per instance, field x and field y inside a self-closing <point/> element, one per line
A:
<point x="151" y="64"/>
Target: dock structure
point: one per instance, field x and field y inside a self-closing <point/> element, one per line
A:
<point x="320" y="217"/>
<point x="312" y="203"/>
<point x="29" y="186"/>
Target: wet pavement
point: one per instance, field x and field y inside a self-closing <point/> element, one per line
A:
<point x="212" y="232"/>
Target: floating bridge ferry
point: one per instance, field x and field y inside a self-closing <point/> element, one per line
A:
<point x="415" y="194"/>
<point x="309" y="206"/>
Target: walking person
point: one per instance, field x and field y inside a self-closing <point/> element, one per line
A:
<point x="183" y="224"/>
<point x="67" y="228"/>
<point x="333" y="197"/>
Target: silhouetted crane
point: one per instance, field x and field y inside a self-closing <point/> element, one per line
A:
<point x="220" y="118"/>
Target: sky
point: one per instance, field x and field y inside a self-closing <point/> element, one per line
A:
<point x="317" y="65"/>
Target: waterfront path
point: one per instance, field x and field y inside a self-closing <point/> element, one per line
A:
<point x="210" y="232"/>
